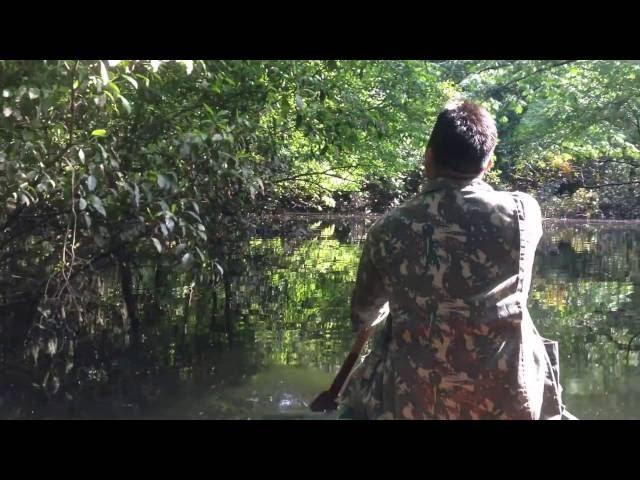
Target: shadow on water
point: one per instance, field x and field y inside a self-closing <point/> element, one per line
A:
<point x="271" y="335"/>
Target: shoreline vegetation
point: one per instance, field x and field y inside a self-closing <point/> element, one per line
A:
<point x="116" y="174"/>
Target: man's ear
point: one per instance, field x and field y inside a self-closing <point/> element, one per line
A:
<point x="429" y="166"/>
<point x="428" y="155"/>
<point x="489" y="165"/>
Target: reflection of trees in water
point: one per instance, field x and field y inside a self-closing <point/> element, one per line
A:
<point x="284" y="301"/>
<point x="599" y="251"/>
<point x="586" y="295"/>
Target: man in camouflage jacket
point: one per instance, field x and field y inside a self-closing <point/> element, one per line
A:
<point x="453" y="266"/>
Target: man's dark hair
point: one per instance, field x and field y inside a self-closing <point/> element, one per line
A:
<point x="463" y="139"/>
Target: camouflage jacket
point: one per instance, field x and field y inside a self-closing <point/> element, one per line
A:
<point x="453" y="266"/>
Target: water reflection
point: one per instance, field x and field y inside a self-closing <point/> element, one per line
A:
<point x="586" y="295"/>
<point x="271" y="335"/>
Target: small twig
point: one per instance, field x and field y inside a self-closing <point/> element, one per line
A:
<point x="535" y="72"/>
<point x="635" y="182"/>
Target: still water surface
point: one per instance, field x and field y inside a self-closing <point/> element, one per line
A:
<point x="268" y="338"/>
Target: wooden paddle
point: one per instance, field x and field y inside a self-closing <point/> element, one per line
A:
<point x="326" y="401"/>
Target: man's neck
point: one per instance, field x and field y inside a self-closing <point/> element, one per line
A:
<point x="448" y="175"/>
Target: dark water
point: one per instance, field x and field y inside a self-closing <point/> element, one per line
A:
<point x="270" y="336"/>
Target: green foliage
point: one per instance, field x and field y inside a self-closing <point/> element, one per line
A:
<point x="106" y="163"/>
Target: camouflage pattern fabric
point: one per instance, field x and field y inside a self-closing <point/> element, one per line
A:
<point x="455" y="266"/>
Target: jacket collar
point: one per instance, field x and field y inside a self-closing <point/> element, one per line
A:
<point x="440" y="183"/>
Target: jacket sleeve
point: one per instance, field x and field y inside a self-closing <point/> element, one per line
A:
<point x="370" y="295"/>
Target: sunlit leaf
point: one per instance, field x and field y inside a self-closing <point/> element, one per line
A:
<point x="157" y="244"/>
<point x="163" y="182"/>
<point x="125" y="104"/>
<point x="97" y="204"/>
<point x="131" y="80"/>
<point x="187" y="261"/>
<point x="104" y="74"/>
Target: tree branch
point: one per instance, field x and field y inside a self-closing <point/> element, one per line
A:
<point x="492" y="67"/>
<point x="635" y="182"/>
<point x="324" y="172"/>
<point x="535" y="72"/>
<point x="622" y="161"/>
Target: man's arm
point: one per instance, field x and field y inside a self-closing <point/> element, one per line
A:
<point x="370" y="296"/>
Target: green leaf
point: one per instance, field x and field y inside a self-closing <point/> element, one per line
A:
<point x="131" y="80"/>
<point x="284" y="108"/>
<point x="187" y="261"/>
<point x="157" y="244"/>
<point x="82" y="203"/>
<point x="103" y="152"/>
<point x="108" y="94"/>
<point x="194" y="215"/>
<point x="104" y="74"/>
<point x="136" y="194"/>
<point x="97" y="204"/>
<point x="81" y="155"/>
<point x="91" y="183"/>
<point x="208" y="109"/>
<point x="99" y="133"/>
<point x="114" y="88"/>
<point x="125" y="104"/>
<point x="163" y="182"/>
<point x="34" y="93"/>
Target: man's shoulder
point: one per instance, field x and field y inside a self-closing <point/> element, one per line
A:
<point x="525" y="197"/>
<point x="403" y="213"/>
<point x="508" y="196"/>
<point x="397" y="217"/>
<point x="528" y="201"/>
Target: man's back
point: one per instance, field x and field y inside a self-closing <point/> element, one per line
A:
<point x="451" y="264"/>
<point x="455" y="266"/>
